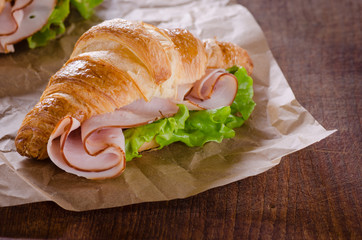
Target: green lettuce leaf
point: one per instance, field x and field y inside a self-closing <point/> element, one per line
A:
<point x="243" y="102"/>
<point x="55" y="25"/>
<point x="201" y="127"/>
<point x="136" y="137"/>
<point x="195" y="128"/>
<point x="85" y="7"/>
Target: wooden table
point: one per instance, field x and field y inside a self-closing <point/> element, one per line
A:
<point x="314" y="193"/>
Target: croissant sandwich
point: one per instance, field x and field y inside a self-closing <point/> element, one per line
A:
<point x="129" y="87"/>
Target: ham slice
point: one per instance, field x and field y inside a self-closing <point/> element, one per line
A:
<point x="67" y="151"/>
<point x="21" y="20"/>
<point x="11" y="15"/>
<point x="216" y="89"/>
<point x="8" y="21"/>
<point x="95" y="149"/>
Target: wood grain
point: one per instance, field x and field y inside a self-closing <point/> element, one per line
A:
<point x="313" y="194"/>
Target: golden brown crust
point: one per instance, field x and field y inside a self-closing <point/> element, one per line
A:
<point x="137" y="39"/>
<point x="191" y="51"/>
<point x="81" y="88"/>
<point x="39" y="124"/>
<point x="116" y="63"/>
<point x="225" y="55"/>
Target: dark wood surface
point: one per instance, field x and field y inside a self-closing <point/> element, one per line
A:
<point x="313" y="194"/>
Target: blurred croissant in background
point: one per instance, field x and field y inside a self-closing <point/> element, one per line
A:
<point x="38" y="21"/>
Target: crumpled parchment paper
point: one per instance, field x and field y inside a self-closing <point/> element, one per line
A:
<point x="278" y="126"/>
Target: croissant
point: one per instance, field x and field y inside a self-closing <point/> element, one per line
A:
<point x="116" y="63"/>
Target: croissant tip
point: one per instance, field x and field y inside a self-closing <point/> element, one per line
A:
<point x="26" y="147"/>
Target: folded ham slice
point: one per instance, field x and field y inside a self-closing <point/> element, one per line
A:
<point x="95" y="149"/>
<point x="219" y="84"/>
<point x="21" y="20"/>
<point x="9" y="22"/>
<point x="67" y="151"/>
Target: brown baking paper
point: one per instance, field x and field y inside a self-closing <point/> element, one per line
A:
<point x="278" y="126"/>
